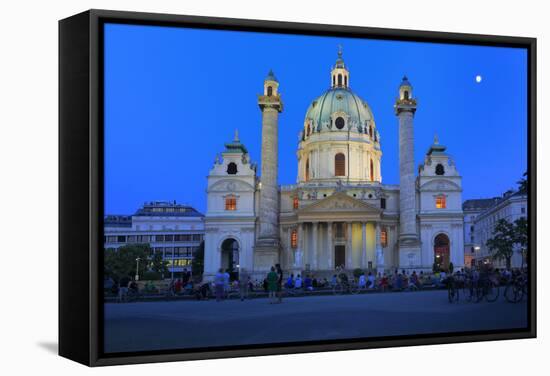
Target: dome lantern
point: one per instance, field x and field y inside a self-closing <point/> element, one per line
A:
<point x="339" y="74"/>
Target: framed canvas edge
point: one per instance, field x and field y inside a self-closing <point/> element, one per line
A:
<point x="96" y="17"/>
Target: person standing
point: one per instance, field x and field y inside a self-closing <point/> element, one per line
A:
<point x="279" y="283"/>
<point x="226" y="284"/>
<point x="298" y="282"/>
<point x="243" y="284"/>
<point x="219" y="284"/>
<point x="272" y="278"/>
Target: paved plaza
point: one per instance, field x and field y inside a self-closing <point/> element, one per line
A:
<point x="162" y="325"/>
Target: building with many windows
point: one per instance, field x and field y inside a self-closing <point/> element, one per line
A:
<point x="171" y="229"/>
<point x="339" y="213"/>
<point x="471" y="209"/>
<point x="511" y="206"/>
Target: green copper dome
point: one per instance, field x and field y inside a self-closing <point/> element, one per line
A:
<point x="339" y="101"/>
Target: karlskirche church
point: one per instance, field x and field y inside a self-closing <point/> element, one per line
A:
<point x="338" y="214"/>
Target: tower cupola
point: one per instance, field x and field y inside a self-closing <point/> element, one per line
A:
<point x="271" y="85"/>
<point x="405" y="89"/>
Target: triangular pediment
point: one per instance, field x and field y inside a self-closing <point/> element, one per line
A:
<point x="339" y="202"/>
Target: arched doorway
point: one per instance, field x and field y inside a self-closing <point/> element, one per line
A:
<point x="230" y="254"/>
<point x="442" y="252"/>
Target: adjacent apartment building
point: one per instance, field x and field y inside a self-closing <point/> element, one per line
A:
<point x="480" y="218"/>
<point x="173" y="230"/>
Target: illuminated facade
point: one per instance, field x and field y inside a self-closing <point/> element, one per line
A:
<point x="339" y="213"/>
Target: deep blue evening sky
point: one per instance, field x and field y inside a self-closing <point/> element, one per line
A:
<point x="174" y="96"/>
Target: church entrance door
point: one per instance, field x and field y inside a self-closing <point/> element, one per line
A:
<point x="441" y="252"/>
<point x="340" y="255"/>
<point x="230" y="255"/>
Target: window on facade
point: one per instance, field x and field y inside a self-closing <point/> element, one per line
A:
<point x="439" y="169"/>
<point x="406" y="95"/>
<point x="168" y="238"/>
<point x="340" y="122"/>
<point x="440" y="202"/>
<point x="269" y="91"/>
<point x="522" y="210"/>
<point x="294" y="238"/>
<point x="346" y="81"/>
<point x="333" y="80"/>
<point x="295" y="203"/>
<point x="384" y="238"/>
<point x="159" y="238"/>
<point x="371" y="171"/>
<point x="307" y="170"/>
<point x="339" y="80"/>
<point x="382" y="203"/>
<point x="232" y="168"/>
<point x="231" y="203"/>
<point x="121" y="239"/>
<point x="340" y="165"/>
<point x="370" y="131"/>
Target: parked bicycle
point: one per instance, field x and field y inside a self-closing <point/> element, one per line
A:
<point x="516" y="289"/>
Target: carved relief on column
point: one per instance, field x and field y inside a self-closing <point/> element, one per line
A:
<point x="364" y="245"/>
<point x="313" y="249"/>
<point x="330" y="245"/>
<point x="348" y="246"/>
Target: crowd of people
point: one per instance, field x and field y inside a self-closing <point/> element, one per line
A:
<point x="241" y="284"/>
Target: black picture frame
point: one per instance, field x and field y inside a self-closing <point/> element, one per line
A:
<point x="81" y="183"/>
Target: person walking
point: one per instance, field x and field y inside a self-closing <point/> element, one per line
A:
<point x="272" y="279"/>
<point x="243" y="284"/>
<point x="279" y="283"/>
<point x="219" y="285"/>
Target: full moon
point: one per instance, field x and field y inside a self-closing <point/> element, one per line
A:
<point x="478" y="78"/>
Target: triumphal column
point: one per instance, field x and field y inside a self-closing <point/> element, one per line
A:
<point x="266" y="252"/>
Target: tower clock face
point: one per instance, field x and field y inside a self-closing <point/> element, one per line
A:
<point x="340" y="122"/>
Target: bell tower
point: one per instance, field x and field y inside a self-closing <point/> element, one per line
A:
<point x="409" y="242"/>
<point x="266" y="252"/>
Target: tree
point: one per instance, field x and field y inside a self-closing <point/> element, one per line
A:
<point x="121" y="262"/>
<point x="197" y="264"/>
<point x="158" y="264"/>
<point x="502" y="242"/>
<point x="523" y="183"/>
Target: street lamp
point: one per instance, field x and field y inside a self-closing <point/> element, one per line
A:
<point x="137" y="268"/>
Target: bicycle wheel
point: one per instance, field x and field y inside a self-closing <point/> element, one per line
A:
<point x="513" y="293"/>
<point x="492" y="292"/>
<point x="353" y="288"/>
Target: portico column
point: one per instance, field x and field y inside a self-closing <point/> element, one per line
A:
<point x="379" y="252"/>
<point x="290" y="252"/>
<point x="298" y="259"/>
<point x="348" y="246"/>
<point x="364" y="245"/>
<point x="313" y="247"/>
<point x="330" y="244"/>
